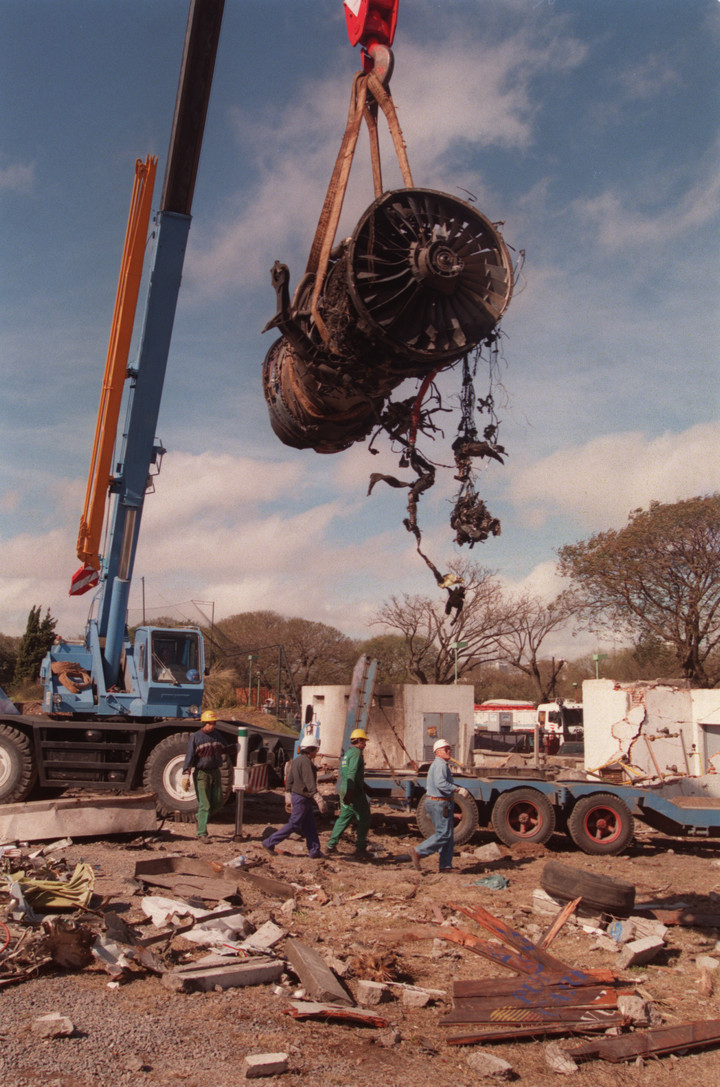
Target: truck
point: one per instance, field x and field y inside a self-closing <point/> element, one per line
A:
<point x="117" y="712"/>
<point x="652" y="753"/>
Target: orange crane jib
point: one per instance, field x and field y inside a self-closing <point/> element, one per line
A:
<point x="91" y="521"/>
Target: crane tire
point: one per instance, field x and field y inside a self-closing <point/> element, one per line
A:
<point x="523" y="815"/>
<point x="601" y="824"/>
<point x="598" y="892"/>
<point x="162" y="775"/>
<point x="17" y="772"/>
<point x="466" y="819"/>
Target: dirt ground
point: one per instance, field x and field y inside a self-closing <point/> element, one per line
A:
<point x="142" y="1033"/>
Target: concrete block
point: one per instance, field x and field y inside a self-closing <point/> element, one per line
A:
<point x="491" y="852"/>
<point x="415" y="998"/>
<point x="370" y="993"/>
<point x="488" y="1066"/>
<point x="638" y="952"/>
<point x="264" y="938"/>
<point x="634" y="1007"/>
<point x="315" y="975"/>
<point x="53" y="1025"/>
<point x="226" y="975"/>
<point x="264" y="1064"/>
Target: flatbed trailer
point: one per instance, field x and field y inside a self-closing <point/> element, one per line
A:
<point x="529" y="807"/>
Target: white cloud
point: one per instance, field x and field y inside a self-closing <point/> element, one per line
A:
<point x="17" y="177"/>
<point x="599" y="483"/>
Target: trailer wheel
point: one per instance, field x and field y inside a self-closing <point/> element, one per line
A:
<point x="601" y="824"/>
<point x="598" y="892"/>
<point x="523" y="815"/>
<point x="162" y="776"/>
<point x="17" y="773"/>
<point x="465" y="816"/>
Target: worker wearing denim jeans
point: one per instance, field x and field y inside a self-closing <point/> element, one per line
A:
<point x="439" y="804"/>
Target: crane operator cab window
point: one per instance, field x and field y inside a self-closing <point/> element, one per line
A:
<point x="175" y="658"/>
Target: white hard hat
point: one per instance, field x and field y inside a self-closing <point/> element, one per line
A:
<point x="308" y="741"/>
<point x="441" y="743"/>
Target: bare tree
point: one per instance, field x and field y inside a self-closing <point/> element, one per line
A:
<point x="534" y="620"/>
<point x="435" y="634"/>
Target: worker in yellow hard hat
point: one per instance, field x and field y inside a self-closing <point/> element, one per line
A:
<point x="353" y="799"/>
<point x="206" y="750"/>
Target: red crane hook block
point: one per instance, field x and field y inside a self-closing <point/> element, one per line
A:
<point x="371" y="22"/>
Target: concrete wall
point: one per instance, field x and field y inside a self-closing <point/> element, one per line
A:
<point x="404" y="721"/>
<point x="667" y="735"/>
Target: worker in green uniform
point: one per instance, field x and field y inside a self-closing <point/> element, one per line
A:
<point x="353" y="800"/>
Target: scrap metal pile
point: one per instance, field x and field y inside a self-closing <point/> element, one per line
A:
<point x="419" y="286"/>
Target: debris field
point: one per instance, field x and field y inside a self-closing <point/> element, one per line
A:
<point x="157" y="959"/>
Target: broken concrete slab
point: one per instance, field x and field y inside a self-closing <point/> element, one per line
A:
<point x="638" y="952"/>
<point x="77" y="817"/>
<point x="264" y="1064"/>
<point x="370" y="993"/>
<point x="315" y="975"/>
<point x="263" y="938"/>
<point x="487" y="1066"/>
<point x="53" y="1025"/>
<point x="227" y="974"/>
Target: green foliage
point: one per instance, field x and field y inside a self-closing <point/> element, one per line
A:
<point x="8" y="658"/>
<point x="656" y="580"/>
<point x="36" y="641"/>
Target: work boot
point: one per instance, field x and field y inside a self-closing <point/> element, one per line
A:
<point x="269" y="848"/>
<point x="329" y="848"/>
<point x="415" y="859"/>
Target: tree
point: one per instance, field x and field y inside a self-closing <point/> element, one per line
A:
<point x="390" y="651"/>
<point x="8" y="658"/>
<point x="431" y="634"/>
<point x="534" y="621"/>
<point x="36" y="641"/>
<point x="658" y="577"/>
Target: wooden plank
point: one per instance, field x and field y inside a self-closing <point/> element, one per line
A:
<point x="305" y="1009"/>
<point x="627" y="1047"/>
<point x="612" y="1019"/>
<point x="276" y="888"/>
<point x="567" y="911"/>
<point x="486" y="1011"/>
<point x="491" y="951"/>
<point x="497" y="986"/>
<point x="545" y="963"/>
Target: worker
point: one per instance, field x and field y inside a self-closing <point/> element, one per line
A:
<point x="301" y="783"/>
<point x="353" y="800"/>
<point x="440" y="807"/>
<point x="205" y="753"/>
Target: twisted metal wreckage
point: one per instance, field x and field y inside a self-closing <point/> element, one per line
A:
<point x="420" y="284"/>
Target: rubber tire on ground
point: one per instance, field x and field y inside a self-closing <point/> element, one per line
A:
<point x="603" y="893"/>
<point x="465" y="824"/>
<point x="523" y="815"/>
<point x="162" y="775"/>
<point x="601" y="824"/>
<point x="17" y="773"/>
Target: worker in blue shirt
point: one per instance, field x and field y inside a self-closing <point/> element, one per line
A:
<point x="440" y="806"/>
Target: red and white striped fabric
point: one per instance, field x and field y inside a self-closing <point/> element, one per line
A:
<point x="257" y="780"/>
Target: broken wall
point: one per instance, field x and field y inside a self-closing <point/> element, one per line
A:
<point x="665" y="734"/>
<point x="403" y="723"/>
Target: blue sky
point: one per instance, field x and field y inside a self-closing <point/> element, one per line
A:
<point x="588" y="127"/>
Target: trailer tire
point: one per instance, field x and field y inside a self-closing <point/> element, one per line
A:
<point x="162" y="775"/>
<point x="17" y="773"/>
<point x="598" y="892"/>
<point x="601" y="824"/>
<point x="523" y="815"/>
<point x="466" y="820"/>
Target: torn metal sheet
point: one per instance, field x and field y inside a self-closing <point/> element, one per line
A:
<point x="189" y="878"/>
<point x="77" y="817"/>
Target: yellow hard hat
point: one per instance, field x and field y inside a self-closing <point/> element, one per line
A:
<point x="358" y="734"/>
<point x="208" y="716"/>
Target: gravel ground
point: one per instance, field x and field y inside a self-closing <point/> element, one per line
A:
<point x="142" y="1033"/>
